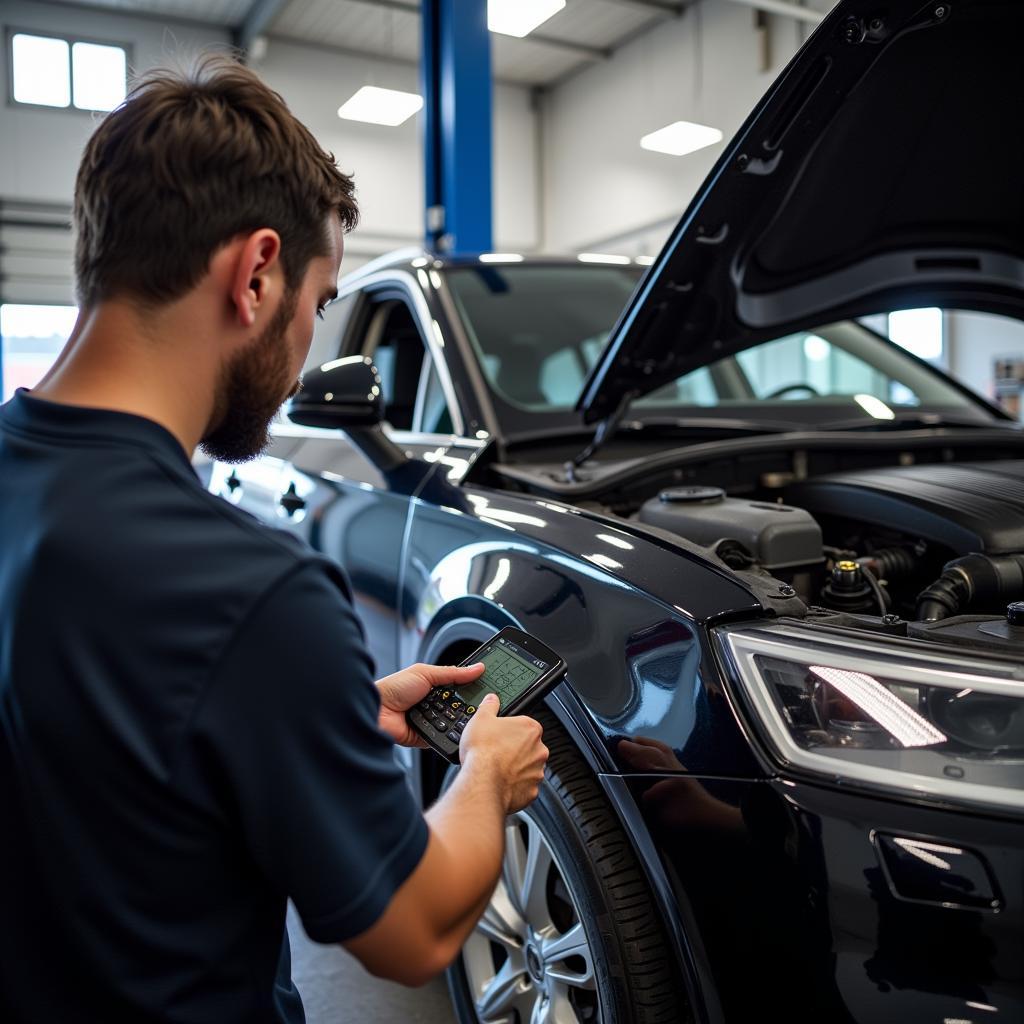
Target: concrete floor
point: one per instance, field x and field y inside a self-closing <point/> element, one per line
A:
<point x="336" y="990"/>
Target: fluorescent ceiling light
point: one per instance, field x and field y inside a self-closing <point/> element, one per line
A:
<point x="874" y="407"/>
<point x="380" y="106"/>
<point x="680" y="138"/>
<point x="644" y="261"/>
<point x="602" y="257"/>
<point x="500" y="257"/>
<point x="520" y="17"/>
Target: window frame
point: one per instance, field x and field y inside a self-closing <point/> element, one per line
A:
<point x="10" y="31"/>
<point x="398" y="285"/>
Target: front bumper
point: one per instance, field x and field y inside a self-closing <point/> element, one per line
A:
<point x="797" y="911"/>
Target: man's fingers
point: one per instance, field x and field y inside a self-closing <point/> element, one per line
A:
<point x="467" y="671"/>
<point x="437" y="675"/>
<point x="489" y="705"/>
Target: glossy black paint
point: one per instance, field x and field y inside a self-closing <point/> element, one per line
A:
<point x="637" y="657"/>
<point x="782" y="900"/>
<point x="798" y="920"/>
<point x="773" y="893"/>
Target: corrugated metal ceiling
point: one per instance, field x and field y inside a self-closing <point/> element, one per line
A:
<point x="226" y="13"/>
<point x="388" y="29"/>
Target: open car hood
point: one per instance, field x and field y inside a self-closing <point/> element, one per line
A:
<point x="883" y="170"/>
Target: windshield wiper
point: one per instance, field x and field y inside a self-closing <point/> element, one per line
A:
<point x="684" y="424"/>
<point x="716" y="425"/>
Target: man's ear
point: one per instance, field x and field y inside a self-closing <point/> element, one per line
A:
<point x="258" y="264"/>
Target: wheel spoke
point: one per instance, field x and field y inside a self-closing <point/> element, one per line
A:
<point x="533" y="892"/>
<point x="557" y="1008"/>
<point x="502" y="994"/>
<point x="514" y="864"/>
<point x="501" y="922"/>
<point x="541" y="1012"/>
<point x="557" y="949"/>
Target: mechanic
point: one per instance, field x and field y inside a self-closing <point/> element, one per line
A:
<point x="190" y="733"/>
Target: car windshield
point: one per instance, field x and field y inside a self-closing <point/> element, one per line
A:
<point x="538" y="330"/>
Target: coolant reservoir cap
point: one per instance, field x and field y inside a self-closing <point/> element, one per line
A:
<point x="691" y="495"/>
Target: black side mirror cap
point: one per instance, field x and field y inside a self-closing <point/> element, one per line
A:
<point x="340" y="395"/>
<point x="346" y="394"/>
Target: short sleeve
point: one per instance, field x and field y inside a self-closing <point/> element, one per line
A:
<point x="290" y="724"/>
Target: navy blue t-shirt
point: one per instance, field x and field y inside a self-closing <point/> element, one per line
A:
<point x="188" y="738"/>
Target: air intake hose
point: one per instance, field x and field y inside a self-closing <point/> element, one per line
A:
<point x="973" y="579"/>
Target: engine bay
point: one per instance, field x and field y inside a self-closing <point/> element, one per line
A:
<point x="914" y="541"/>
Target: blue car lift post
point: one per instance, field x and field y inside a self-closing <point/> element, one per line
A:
<point x="456" y="72"/>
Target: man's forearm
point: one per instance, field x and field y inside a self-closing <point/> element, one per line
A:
<point x="468" y="822"/>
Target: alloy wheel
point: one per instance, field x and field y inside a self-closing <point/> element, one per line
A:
<point x="529" y="960"/>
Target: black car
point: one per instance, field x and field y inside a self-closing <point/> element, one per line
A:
<point x="783" y="558"/>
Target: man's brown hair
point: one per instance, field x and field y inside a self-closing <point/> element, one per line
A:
<point x="188" y="162"/>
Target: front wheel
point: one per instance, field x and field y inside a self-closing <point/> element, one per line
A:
<point x="571" y="934"/>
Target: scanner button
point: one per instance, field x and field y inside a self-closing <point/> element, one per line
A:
<point x="461" y="724"/>
<point x="450" y="714"/>
<point x="471" y="710"/>
<point x="445" y="694"/>
<point x="453" y="736"/>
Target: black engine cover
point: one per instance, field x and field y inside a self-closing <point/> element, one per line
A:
<point x="967" y="507"/>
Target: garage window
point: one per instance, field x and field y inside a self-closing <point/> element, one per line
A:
<point x="31" y="337"/>
<point x="66" y="72"/>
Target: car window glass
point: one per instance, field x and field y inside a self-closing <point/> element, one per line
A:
<point x="328" y="332"/>
<point x="394" y="343"/>
<point x="806" y="365"/>
<point x="538" y="330"/>
<point x="435" y="417"/>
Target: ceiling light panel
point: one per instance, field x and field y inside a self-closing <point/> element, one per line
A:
<point x="680" y="138"/>
<point x="374" y="105"/>
<point x="520" y="17"/>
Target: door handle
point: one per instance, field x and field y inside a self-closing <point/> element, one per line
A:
<point x="290" y="500"/>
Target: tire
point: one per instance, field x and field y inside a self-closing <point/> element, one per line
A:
<point x="584" y="946"/>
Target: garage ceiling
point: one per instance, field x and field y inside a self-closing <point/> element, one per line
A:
<point x="583" y="32"/>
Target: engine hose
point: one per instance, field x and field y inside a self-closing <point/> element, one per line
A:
<point x="890" y="563"/>
<point x="973" y="579"/>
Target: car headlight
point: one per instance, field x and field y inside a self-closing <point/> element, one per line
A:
<point x="919" y="719"/>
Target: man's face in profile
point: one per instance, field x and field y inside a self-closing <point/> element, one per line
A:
<point x="252" y="385"/>
<point x="256" y="380"/>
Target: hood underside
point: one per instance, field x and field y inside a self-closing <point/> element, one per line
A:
<point x="883" y="170"/>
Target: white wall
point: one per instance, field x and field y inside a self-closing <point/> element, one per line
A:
<point x="388" y="162"/>
<point x="40" y="149"/>
<point x="600" y="188"/>
<point x="975" y="340"/>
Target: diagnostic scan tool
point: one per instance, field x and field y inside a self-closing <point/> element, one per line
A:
<point x="518" y="668"/>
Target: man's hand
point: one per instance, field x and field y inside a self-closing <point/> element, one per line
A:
<point x="403" y="690"/>
<point x="509" y="751"/>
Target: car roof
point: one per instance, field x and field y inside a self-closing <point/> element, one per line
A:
<point x="417" y="258"/>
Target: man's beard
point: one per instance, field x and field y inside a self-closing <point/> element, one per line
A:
<point x="250" y="390"/>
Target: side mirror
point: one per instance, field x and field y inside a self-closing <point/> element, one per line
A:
<point x="341" y="394"/>
<point x="345" y="394"/>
